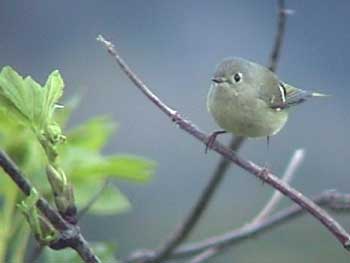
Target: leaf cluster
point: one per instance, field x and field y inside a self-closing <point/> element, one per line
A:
<point x="31" y="125"/>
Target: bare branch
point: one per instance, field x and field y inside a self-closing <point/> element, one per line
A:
<point x="281" y="25"/>
<point x="185" y="228"/>
<point x="202" y="257"/>
<point x="293" y="165"/>
<point x="70" y="234"/>
<point x="21" y="181"/>
<point x="333" y="226"/>
<point x="329" y="199"/>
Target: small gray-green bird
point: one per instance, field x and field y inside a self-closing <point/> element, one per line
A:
<point x="249" y="100"/>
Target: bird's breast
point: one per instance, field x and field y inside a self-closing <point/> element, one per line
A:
<point x="243" y="113"/>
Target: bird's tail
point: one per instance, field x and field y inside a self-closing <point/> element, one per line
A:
<point x="316" y="94"/>
<point x="296" y="96"/>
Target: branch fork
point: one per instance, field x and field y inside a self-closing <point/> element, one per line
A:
<point x="169" y="248"/>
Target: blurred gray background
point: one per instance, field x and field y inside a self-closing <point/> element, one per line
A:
<point x="175" y="46"/>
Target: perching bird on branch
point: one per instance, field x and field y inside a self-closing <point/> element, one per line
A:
<point x="249" y="100"/>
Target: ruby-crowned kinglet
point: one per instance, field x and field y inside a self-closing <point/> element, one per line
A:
<point x="249" y="100"/>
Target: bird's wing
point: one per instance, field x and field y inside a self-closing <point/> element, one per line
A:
<point x="284" y="96"/>
<point x="273" y="93"/>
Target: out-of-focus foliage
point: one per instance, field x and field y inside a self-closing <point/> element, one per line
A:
<point x="31" y="124"/>
<point x="103" y="250"/>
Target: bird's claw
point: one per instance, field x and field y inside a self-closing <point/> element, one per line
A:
<point x="211" y="140"/>
<point x="263" y="174"/>
<point x="175" y="117"/>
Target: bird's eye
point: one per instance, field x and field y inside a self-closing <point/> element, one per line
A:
<point x="237" y="77"/>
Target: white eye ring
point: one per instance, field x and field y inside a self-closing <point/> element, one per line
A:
<point x="237" y="77"/>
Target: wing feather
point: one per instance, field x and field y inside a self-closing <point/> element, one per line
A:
<point x="294" y="96"/>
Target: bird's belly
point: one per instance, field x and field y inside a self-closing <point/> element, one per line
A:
<point x="244" y="117"/>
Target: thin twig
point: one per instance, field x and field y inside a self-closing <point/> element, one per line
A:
<point x="21" y="181"/>
<point x="333" y="226"/>
<point x="292" y="167"/>
<point x="281" y="25"/>
<point x="70" y="234"/>
<point x="205" y="255"/>
<point x="185" y="228"/>
<point x="330" y="199"/>
<point x="265" y="212"/>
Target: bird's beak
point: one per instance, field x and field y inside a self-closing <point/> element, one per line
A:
<point x="217" y="80"/>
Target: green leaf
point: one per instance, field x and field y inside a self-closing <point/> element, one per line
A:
<point x="128" y="167"/>
<point x="19" y="244"/>
<point x="13" y="94"/>
<point x="32" y="104"/>
<point x="81" y="158"/>
<point x="65" y="255"/>
<point x="117" y="166"/>
<point x="53" y="90"/>
<point x="28" y="204"/>
<point x="110" y="201"/>
<point x="93" y="134"/>
<point x="43" y="231"/>
<point x="21" y="144"/>
<point x="105" y="251"/>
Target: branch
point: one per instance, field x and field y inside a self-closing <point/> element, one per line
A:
<point x="329" y="199"/>
<point x="70" y="234"/>
<point x="265" y="212"/>
<point x="333" y="226"/>
<point x="293" y="165"/>
<point x="281" y="25"/>
<point x="185" y="228"/>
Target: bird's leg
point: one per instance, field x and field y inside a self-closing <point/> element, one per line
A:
<point x="267" y="151"/>
<point x="211" y="139"/>
<point x="266" y="169"/>
<point x="264" y="172"/>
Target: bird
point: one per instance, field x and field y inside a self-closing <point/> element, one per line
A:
<point x="249" y="100"/>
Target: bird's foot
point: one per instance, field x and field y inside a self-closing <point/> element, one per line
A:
<point x="175" y="117"/>
<point x="211" y="140"/>
<point x="264" y="172"/>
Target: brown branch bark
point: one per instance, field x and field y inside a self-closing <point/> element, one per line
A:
<point x="333" y="226"/>
<point x="70" y="235"/>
